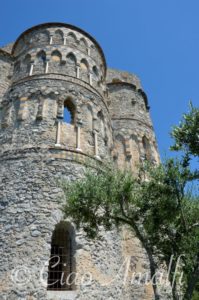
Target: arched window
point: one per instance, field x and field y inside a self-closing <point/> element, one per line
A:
<point x="71" y="39"/>
<point x="62" y="263"/>
<point x="44" y="37"/>
<point x="69" y="112"/>
<point x="95" y="76"/>
<point x="40" y="62"/>
<point x="17" y="68"/>
<point x="84" y="70"/>
<point x="95" y="71"/>
<point x="55" y="63"/>
<point x="56" y="56"/>
<point x="100" y="117"/>
<point x="71" y="64"/>
<point x="83" y="45"/>
<point x="26" y="64"/>
<point x="147" y="148"/>
<point x="71" y="59"/>
<point x="58" y="38"/>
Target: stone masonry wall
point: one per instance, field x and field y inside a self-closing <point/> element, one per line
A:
<point x="59" y="68"/>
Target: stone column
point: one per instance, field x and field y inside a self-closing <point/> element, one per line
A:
<point x="47" y="65"/>
<point x="77" y="70"/>
<point x="90" y="78"/>
<point x="96" y="144"/>
<point x="57" y="144"/>
<point x="51" y="40"/>
<point x="65" y="40"/>
<point x="60" y="109"/>
<point x="78" y="141"/>
<point x="31" y="69"/>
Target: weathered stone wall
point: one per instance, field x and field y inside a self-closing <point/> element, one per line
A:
<point x="134" y="139"/>
<point x="31" y="110"/>
<point x="5" y="72"/>
<point x="115" y="76"/>
<point x="55" y="64"/>
<point x="59" y="49"/>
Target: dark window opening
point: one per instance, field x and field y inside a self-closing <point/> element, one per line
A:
<point x="69" y="112"/>
<point x="61" y="270"/>
<point x="95" y="71"/>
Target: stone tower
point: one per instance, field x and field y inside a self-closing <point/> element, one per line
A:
<point x="61" y="110"/>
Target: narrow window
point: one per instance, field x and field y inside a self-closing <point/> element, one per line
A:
<point x="62" y="264"/>
<point x="26" y="64"/>
<point x="147" y="148"/>
<point x="95" y="71"/>
<point x="40" y="62"/>
<point x="69" y="112"/>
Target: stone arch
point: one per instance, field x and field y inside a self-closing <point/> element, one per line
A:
<point x="84" y="70"/>
<point x="93" y="50"/>
<point x="146" y="148"/>
<point x="26" y="65"/>
<point x="56" y="56"/>
<point x="62" y="258"/>
<point x="101" y="123"/>
<point x="83" y="45"/>
<point x="58" y="37"/>
<point x="45" y="37"/>
<point x="71" y="63"/>
<point x="55" y="62"/>
<point x="120" y="151"/>
<point x="71" y="39"/>
<point x="40" y="62"/>
<point x="69" y="111"/>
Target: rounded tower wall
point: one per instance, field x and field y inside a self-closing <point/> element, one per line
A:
<point x="61" y="50"/>
<point x="5" y="72"/>
<point x="133" y="134"/>
<point x="55" y="124"/>
<point x="33" y="111"/>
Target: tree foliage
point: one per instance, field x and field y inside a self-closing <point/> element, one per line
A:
<point x="158" y="205"/>
<point x="186" y="134"/>
<point x="160" y="211"/>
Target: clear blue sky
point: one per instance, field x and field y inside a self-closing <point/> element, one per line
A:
<point x="157" y="40"/>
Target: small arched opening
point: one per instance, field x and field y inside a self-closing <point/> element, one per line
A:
<point x="71" y="64"/>
<point x="84" y="70"/>
<point x="61" y="269"/>
<point x="40" y="62"/>
<point x="147" y="148"/>
<point x="69" y="112"/>
<point x="71" y="39"/>
<point x="58" y="38"/>
<point x="27" y="64"/>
